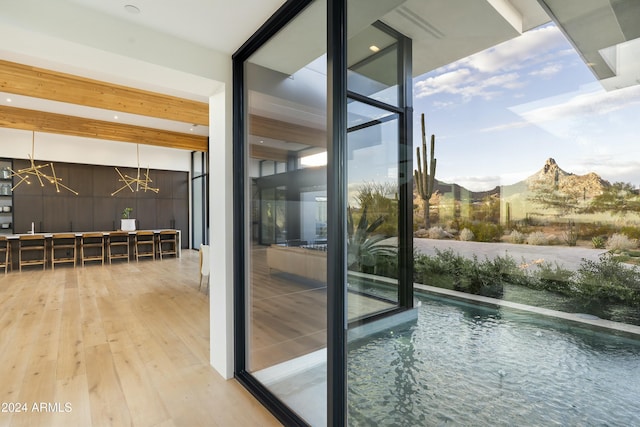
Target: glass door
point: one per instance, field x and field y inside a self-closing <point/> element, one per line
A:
<point x="285" y="192"/>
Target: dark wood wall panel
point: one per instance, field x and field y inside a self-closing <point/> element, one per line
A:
<point x="27" y="209"/>
<point x="94" y="208"/>
<point x="55" y="213"/>
<point x="81" y="210"/>
<point x="104" y="213"/>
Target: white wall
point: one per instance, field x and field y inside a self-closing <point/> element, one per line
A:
<point x="221" y="229"/>
<point x="17" y="144"/>
<point x="205" y="76"/>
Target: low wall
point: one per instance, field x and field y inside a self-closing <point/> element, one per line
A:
<point x="308" y="263"/>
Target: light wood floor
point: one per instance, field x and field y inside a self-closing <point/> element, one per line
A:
<point x="289" y="314"/>
<point x="120" y="345"/>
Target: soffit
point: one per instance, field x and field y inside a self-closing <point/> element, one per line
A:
<point x="607" y="35"/>
<point x="444" y="31"/>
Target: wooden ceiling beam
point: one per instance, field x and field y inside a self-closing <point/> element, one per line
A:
<point x="268" y="153"/>
<point x="39" y="121"/>
<point x="46" y="84"/>
<point x="285" y="131"/>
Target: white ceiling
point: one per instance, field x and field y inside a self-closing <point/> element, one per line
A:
<point x="220" y="25"/>
<point x="173" y="47"/>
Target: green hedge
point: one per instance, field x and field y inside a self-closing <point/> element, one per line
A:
<point x="607" y="280"/>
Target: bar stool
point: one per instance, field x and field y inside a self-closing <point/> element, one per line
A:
<point x="32" y="244"/>
<point x="5" y="253"/>
<point x="118" y="245"/>
<point x="94" y="242"/>
<point x="168" y="243"/>
<point x="66" y="243"/>
<point x="145" y="244"/>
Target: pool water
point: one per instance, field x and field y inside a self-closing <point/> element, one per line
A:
<point x="470" y="365"/>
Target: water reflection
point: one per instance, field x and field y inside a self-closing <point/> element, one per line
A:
<point x="475" y="365"/>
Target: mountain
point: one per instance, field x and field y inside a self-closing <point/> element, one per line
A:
<point x="549" y="178"/>
<point x="553" y="177"/>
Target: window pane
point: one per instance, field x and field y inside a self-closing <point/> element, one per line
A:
<point x="287" y="261"/>
<point x="373" y="65"/>
<point x="372" y="219"/>
<point x="526" y="250"/>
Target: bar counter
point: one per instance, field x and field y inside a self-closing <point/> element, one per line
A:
<point x="14" y="238"/>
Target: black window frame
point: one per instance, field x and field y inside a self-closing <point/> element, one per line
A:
<point x="337" y="95"/>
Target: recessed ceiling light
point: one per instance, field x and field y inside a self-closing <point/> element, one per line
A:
<point x="132" y="9"/>
<point x="374" y="48"/>
<point x="8" y="99"/>
<point x="115" y="117"/>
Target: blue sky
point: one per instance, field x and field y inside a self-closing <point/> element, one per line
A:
<point x="500" y="113"/>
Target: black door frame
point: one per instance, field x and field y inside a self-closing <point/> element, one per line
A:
<point x="337" y="93"/>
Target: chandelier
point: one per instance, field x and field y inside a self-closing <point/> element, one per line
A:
<point x="140" y="181"/>
<point x="25" y="174"/>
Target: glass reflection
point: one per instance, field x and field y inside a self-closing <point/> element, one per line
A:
<point x="286" y="255"/>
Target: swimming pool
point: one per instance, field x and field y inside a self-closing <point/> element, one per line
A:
<point x="464" y="364"/>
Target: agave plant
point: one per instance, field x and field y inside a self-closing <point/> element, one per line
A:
<point x="363" y="247"/>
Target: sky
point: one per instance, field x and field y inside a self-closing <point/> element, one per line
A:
<point x="500" y="113"/>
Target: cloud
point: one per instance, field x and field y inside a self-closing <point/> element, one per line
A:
<point x="488" y="73"/>
<point x="474" y="183"/>
<point x="462" y="82"/>
<point x="506" y="126"/>
<point x="581" y="105"/>
<point x="559" y="116"/>
<point x="448" y="82"/>
<point x="535" y="46"/>
<point x="547" y="71"/>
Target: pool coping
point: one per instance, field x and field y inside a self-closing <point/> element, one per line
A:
<point x="573" y="317"/>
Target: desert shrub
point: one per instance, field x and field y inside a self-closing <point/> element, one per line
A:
<point x="590" y="230"/>
<point x="604" y="281"/>
<point x="387" y="266"/>
<point x="608" y="280"/>
<point x="485" y="278"/>
<point x="484" y="231"/>
<point x="466" y="235"/>
<point x="570" y="235"/>
<point x="598" y="242"/>
<point x="437" y="232"/>
<point x="620" y="242"/>
<point x="488" y="232"/>
<point x="448" y="269"/>
<point x="630" y="231"/>
<point x="538" y="238"/>
<point x="440" y="270"/>
<point x="552" y="277"/>
<point x="517" y="237"/>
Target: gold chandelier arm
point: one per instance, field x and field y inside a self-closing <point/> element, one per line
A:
<point x="22" y="179"/>
<point x="67" y="188"/>
<point x="55" y="178"/>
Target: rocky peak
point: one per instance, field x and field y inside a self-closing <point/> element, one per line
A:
<point x="551" y="167"/>
<point x="551" y="175"/>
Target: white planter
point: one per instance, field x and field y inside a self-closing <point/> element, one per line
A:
<point x="128" y="224"/>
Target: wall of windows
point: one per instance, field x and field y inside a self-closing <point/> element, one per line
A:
<point x="199" y="199"/>
<point x="533" y="200"/>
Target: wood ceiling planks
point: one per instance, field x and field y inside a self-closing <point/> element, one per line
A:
<point x="287" y="131"/>
<point x="32" y="120"/>
<point x="36" y="82"/>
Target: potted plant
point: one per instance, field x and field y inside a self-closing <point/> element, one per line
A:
<point x="127" y="223"/>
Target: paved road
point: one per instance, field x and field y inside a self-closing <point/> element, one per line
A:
<point x="568" y="257"/>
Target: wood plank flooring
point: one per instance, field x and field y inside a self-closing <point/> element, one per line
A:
<point x="288" y="317"/>
<point x="119" y="345"/>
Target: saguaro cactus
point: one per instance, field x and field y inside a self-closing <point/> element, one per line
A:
<point x="424" y="178"/>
